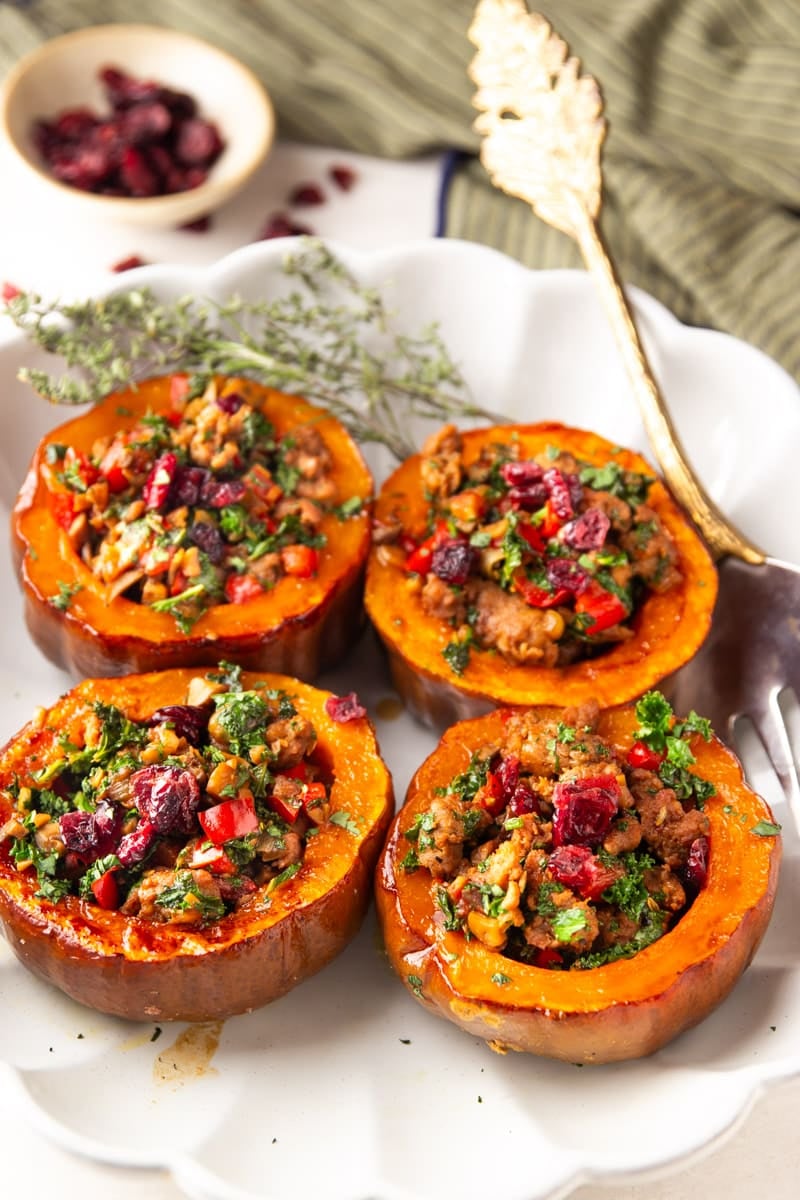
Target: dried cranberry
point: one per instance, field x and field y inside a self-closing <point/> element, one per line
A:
<point x="159" y="482"/>
<point x="90" y="835"/>
<point x="305" y="195"/>
<point x="559" y="491"/>
<point x="588" y="531"/>
<point x="345" y="708"/>
<point x="74" y="123"/>
<point x="695" y="872"/>
<point x="343" y="176"/>
<point x="122" y="89"/>
<point x="160" y="160"/>
<point x="568" y="574"/>
<point x="189" y="721"/>
<point x="84" y="168"/>
<point x="232" y="887"/>
<point x="208" y="538"/>
<point x="579" y="869"/>
<point x="230" y="402"/>
<point x="453" y="560"/>
<point x="529" y="498"/>
<point x="128" y="264"/>
<point x="146" y="122"/>
<point x="583" y="809"/>
<point x="521" y="473"/>
<point x="507" y="772"/>
<point x="523" y="800"/>
<point x="188" y="484"/>
<point x="167" y="797"/>
<point x="137" y="175"/>
<point x="280" y="225"/>
<point x="198" y="142"/>
<point x="220" y="492"/>
<point x="575" y="489"/>
<point x="135" y="846"/>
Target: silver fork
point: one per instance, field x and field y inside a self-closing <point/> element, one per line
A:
<point x="543" y="129"/>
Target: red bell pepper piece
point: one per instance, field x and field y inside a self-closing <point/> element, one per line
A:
<point x="111" y="467"/>
<point x="547" y="958"/>
<point x="492" y="795"/>
<point x="299" y="560"/>
<point x="420" y="557"/>
<point x="106" y="889"/>
<point x="287" y="807"/>
<point x="551" y="522"/>
<point x="213" y="859"/>
<point x="419" y="560"/>
<point x="539" y="597"/>
<point x="63" y="506"/>
<point x="298" y="771"/>
<point x="231" y="819"/>
<point x="532" y="535"/>
<point x="641" y="755"/>
<point x="240" y="588"/>
<point x="604" y="607"/>
<point x="76" y="463"/>
<point x="314" y="794"/>
<point x="178" y="390"/>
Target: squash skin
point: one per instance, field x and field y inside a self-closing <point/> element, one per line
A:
<point x="625" y="1009"/>
<point x="300" y="627"/>
<point x="668" y="629"/>
<point x="141" y="971"/>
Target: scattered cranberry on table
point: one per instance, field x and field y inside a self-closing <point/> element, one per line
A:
<point x="128" y="264"/>
<point x="154" y="141"/>
<point x="344" y="177"/>
<point x="280" y="225"/>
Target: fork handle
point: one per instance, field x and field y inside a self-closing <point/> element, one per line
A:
<point x="720" y="535"/>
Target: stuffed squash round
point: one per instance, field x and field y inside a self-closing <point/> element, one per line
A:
<point x="576" y="884"/>
<point x="164" y="528"/>
<point x="185" y="845"/>
<point x="532" y="564"/>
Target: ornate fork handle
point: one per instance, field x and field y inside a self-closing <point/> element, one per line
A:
<point x="720" y="535"/>
<point x="543" y="128"/>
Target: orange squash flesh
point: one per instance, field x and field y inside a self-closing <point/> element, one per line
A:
<point x="140" y="970"/>
<point x="299" y="627"/>
<point x="625" y="1009"/>
<point x="667" y="630"/>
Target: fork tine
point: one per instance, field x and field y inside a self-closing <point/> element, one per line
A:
<point x="769" y="725"/>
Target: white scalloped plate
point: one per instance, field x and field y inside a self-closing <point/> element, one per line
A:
<point x="347" y="1079"/>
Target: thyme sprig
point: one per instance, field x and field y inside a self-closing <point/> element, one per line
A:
<point x="330" y="338"/>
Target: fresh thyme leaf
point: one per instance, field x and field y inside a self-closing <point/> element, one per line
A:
<point x="344" y="819"/>
<point x="329" y="339"/>
<point x="66" y="591"/>
<point x="765" y="828"/>
<point x="456" y="655"/>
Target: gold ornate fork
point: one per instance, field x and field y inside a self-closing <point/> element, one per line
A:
<point x="543" y="129"/>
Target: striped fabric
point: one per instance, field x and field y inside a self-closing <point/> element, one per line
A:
<point x="702" y="162"/>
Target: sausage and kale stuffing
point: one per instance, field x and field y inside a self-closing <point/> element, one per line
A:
<point x="181" y="818"/>
<point x="544" y="560"/>
<point x="558" y="851"/>
<point x="197" y="506"/>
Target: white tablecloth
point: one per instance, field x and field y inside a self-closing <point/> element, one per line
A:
<point x="390" y="203"/>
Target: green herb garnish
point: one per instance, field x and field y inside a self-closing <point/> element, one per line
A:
<point x="314" y="341"/>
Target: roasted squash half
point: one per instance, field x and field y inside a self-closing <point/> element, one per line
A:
<point x="453" y="949"/>
<point x="590" y="606"/>
<point x="223" y="890"/>
<point x="161" y="529"/>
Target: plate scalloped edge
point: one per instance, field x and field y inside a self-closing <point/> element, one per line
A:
<point x="542" y="351"/>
